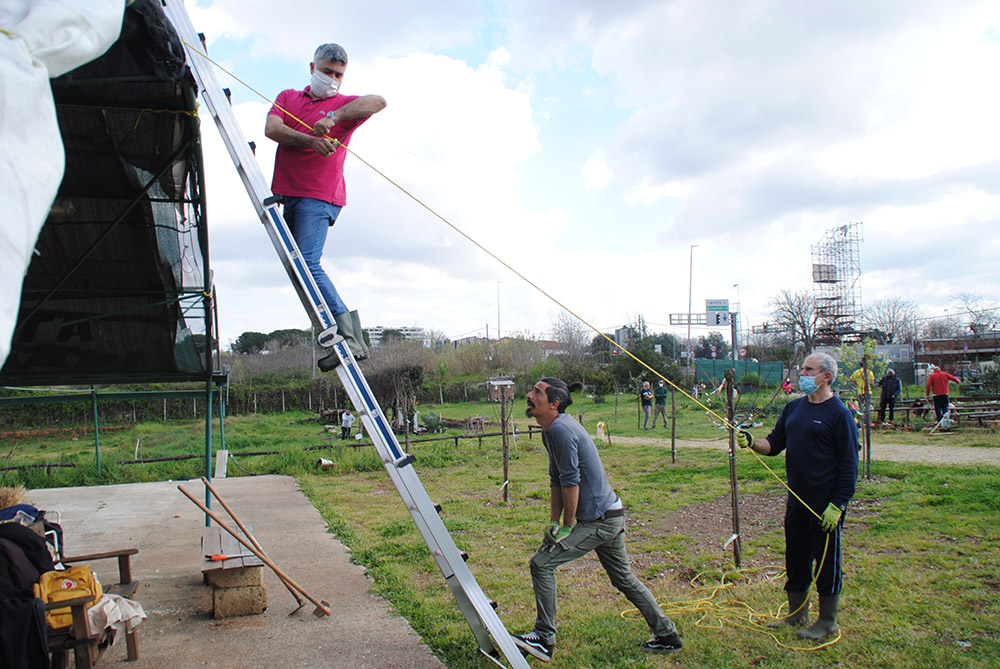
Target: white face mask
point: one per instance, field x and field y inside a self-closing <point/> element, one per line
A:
<point x="323" y="86"/>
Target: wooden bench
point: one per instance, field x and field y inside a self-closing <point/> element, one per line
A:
<point x="237" y="582"/>
<point x="88" y="645"/>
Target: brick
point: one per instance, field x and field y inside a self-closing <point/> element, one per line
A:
<point x="239" y="577"/>
<point x="232" y="602"/>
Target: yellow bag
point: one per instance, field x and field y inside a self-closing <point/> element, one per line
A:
<point x="58" y="586"/>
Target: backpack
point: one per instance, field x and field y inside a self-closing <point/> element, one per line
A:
<point x="58" y="586"/>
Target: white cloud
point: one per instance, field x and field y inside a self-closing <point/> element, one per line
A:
<point x="645" y="192"/>
<point x="748" y="130"/>
<point x="595" y="172"/>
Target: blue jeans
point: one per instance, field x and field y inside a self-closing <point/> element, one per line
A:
<point x="309" y="220"/>
<point x="607" y="538"/>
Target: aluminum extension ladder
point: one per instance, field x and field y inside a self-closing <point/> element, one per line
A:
<point x="476" y="607"/>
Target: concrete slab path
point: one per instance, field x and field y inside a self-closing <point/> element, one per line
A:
<point x="180" y="631"/>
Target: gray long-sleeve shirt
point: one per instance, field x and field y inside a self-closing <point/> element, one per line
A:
<point x="573" y="461"/>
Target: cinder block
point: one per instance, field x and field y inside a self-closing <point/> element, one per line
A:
<point x="240" y="577"/>
<point x="232" y="602"/>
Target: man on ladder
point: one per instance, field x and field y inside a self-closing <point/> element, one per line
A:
<point x="309" y="171"/>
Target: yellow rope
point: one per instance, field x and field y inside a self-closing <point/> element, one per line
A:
<point x="485" y="250"/>
<point x="716" y="615"/>
<point x="8" y="33"/>
<point x="703" y="602"/>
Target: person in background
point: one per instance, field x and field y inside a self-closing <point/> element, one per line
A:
<point x="646" y="400"/>
<point x="346" y="423"/>
<point x="858" y="378"/>
<point x="937" y="384"/>
<point x="660" y="403"/>
<point x="891" y="390"/>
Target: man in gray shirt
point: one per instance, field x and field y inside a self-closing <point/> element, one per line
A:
<point x="585" y="515"/>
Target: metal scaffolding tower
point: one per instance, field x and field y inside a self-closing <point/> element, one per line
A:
<point x="836" y="273"/>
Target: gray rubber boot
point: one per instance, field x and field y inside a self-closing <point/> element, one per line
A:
<point x="359" y="335"/>
<point x="826" y="625"/>
<point x="345" y="327"/>
<point x="798" y="611"/>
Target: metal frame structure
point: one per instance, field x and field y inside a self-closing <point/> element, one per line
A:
<point x="836" y="275"/>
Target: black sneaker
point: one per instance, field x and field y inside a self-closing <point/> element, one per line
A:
<point x="662" y="644"/>
<point x="532" y="644"/>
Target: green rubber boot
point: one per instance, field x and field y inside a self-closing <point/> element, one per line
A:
<point x="359" y="335"/>
<point x="345" y="327"/>
<point x="798" y="611"/>
<point x="826" y="625"/>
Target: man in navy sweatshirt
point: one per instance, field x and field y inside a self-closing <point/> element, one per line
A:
<point x="820" y="440"/>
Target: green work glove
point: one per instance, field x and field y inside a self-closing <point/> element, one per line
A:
<point x="562" y="533"/>
<point x="744" y="439"/>
<point x="831" y="517"/>
<point x="550" y="532"/>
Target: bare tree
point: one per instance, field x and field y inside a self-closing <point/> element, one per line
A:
<point x="517" y="354"/>
<point x="394" y="371"/>
<point x="980" y="315"/>
<point x="795" y="313"/>
<point x="572" y="335"/>
<point x="899" y="318"/>
<point x="943" y="328"/>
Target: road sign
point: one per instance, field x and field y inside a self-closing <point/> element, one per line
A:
<point x="716" y="312"/>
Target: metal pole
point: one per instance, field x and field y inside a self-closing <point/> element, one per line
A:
<point x="687" y="351"/>
<point x="735" y="321"/>
<point x="498" y="313"/>
<point x="673" y="427"/>
<point x="97" y="432"/>
<point x="208" y="447"/>
<point x="506" y="447"/>
<point x="868" y="418"/>
<point x="730" y="412"/>
<point x="733" y="325"/>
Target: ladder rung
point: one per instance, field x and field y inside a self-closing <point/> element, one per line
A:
<point x="408" y="460"/>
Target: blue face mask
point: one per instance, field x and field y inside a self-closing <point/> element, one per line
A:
<point x="807" y="384"/>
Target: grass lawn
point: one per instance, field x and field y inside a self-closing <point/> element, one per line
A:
<point x="921" y="559"/>
<point x="922" y="570"/>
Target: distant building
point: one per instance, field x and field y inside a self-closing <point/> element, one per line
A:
<point x="550" y="347"/>
<point x="960" y="355"/>
<point x="465" y="341"/>
<point x="375" y="334"/>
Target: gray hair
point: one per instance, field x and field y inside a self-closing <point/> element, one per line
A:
<point x="826" y="364"/>
<point x="332" y="52"/>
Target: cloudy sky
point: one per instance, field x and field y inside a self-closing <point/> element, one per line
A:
<point x="590" y="145"/>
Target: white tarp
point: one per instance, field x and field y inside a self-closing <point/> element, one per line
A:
<point x="39" y="39"/>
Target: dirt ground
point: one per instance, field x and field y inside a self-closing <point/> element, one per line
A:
<point x="707" y="525"/>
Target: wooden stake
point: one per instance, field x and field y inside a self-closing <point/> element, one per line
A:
<point x="730" y="419"/>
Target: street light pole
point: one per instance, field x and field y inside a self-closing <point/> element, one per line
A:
<point x="690" y="279"/>
<point x="736" y="324"/>
<point x="498" y="311"/>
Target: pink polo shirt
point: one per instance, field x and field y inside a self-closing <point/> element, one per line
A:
<point x="301" y="172"/>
